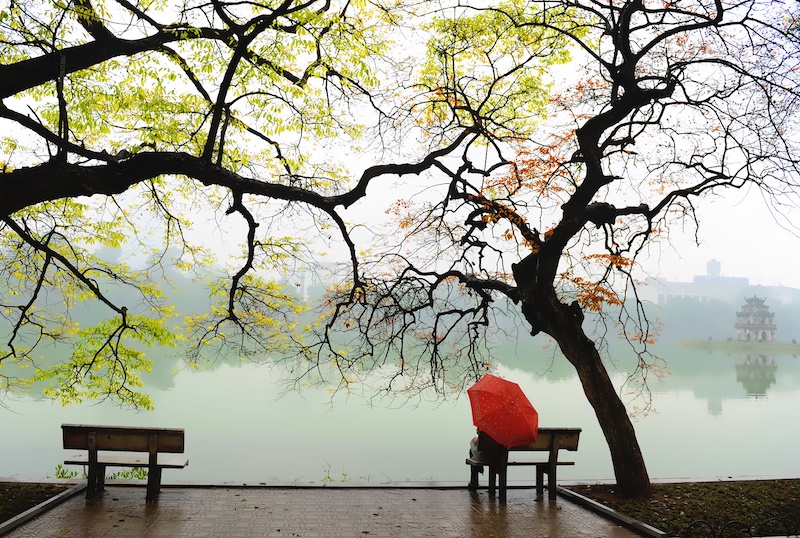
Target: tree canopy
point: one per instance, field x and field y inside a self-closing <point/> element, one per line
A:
<point x="548" y="144"/>
<point x="134" y="120"/>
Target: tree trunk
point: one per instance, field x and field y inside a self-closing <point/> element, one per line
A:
<point x="626" y="455"/>
<point x="565" y="324"/>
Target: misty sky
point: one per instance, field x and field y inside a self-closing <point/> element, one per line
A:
<point x="738" y="231"/>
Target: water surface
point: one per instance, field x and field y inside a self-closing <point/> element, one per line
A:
<point x="716" y="415"/>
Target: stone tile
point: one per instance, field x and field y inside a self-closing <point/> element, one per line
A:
<point x="318" y="513"/>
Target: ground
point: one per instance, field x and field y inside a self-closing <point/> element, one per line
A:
<point x="17" y="497"/>
<point x="674" y="508"/>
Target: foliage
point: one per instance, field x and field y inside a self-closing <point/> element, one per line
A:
<point x="65" y="474"/>
<point x="103" y="365"/>
<point x="488" y="66"/>
<point x="235" y="97"/>
<point x="134" y="473"/>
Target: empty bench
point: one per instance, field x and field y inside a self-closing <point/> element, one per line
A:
<point x="495" y="456"/>
<point x="161" y="447"/>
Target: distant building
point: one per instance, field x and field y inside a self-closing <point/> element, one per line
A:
<point x="754" y="322"/>
<point x="713" y="287"/>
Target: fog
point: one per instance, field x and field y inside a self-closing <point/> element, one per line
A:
<point x="748" y="237"/>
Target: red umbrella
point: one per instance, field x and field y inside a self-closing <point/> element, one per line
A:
<point x="502" y="410"/>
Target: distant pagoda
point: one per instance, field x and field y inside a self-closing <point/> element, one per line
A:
<point x="754" y="322"/>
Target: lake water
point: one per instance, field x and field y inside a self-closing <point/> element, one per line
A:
<point x="715" y="416"/>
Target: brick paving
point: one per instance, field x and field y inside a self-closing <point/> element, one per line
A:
<point x="290" y="512"/>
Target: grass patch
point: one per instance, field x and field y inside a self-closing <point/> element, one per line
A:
<point x="17" y="497"/>
<point x="765" y="507"/>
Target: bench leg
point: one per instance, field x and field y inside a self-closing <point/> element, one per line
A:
<point x="492" y="480"/>
<point x="96" y="480"/>
<point x="551" y="483"/>
<point x="473" y="477"/>
<point x="503" y="476"/>
<point x="550" y="470"/>
<point x="153" y="483"/>
<point x="539" y="482"/>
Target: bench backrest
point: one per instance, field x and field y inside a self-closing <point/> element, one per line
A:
<point x="122" y="438"/>
<point x="548" y="439"/>
<point x="553" y="438"/>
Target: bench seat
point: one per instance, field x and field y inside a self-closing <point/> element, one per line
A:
<point x="165" y="461"/>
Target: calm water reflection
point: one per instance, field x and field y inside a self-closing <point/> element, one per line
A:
<point x="716" y="415"/>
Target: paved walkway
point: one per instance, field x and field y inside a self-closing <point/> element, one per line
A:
<point x="291" y="512"/>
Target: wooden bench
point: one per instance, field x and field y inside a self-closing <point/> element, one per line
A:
<point x="160" y="445"/>
<point x="496" y="457"/>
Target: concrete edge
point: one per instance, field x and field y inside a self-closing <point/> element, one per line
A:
<point x="604" y="510"/>
<point x="422" y="484"/>
<point x="405" y="484"/>
<point x="31" y="513"/>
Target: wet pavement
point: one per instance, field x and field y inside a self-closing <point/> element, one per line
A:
<point x="288" y="512"/>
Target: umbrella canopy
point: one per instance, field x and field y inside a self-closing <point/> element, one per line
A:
<point x="502" y="410"/>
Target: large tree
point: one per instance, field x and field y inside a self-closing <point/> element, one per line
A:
<point x="539" y="184"/>
<point x="665" y="102"/>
